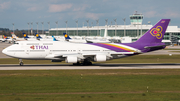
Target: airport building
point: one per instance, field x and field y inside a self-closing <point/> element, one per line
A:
<point x="133" y="31"/>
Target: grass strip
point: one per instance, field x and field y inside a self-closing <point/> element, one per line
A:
<point x="96" y="85"/>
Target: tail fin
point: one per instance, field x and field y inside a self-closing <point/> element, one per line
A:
<point x="156" y="33"/>
<point x="38" y="36"/>
<point x="5" y="37"/>
<point x="54" y="39"/>
<point x="13" y="35"/>
<point x="66" y="36"/>
<point x="25" y="36"/>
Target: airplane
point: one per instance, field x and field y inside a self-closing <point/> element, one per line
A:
<point x="87" y="40"/>
<point x="6" y="39"/>
<point x="67" y="38"/>
<point x="85" y="53"/>
<point x="25" y="37"/>
<point x="38" y="37"/>
<point x="3" y="39"/>
<point x="17" y="38"/>
<point x="54" y="39"/>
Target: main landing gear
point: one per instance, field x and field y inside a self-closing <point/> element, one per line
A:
<point x="84" y="63"/>
<point x="21" y="62"/>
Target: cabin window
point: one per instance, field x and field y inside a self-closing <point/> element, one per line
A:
<point x="58" y="50"/>
<point x="90" y="50"/>
<point x="15" y="50"/>
<point x="32" y="43"/>
<point x="47" y="43"/>
<point x="37" y="50"/>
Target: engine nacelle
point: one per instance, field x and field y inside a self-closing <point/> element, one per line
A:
<point x="71" y="59"/>
<point x="100" y="58"/>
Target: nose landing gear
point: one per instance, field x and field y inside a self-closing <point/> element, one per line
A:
<point x="21" y="62"/>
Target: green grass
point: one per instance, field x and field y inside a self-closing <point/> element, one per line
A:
<point x="88" y="85"/>
<point x="131" y="59"/>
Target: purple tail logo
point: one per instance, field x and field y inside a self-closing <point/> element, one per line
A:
<point x="157" y="32"/>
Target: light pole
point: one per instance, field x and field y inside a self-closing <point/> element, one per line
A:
<point x="91" y="24"/>
<point x="28" y="27"/>
<point x="42" y="28"/>
<point x="106" y="22"/>
<point x="37" y="26"/>
<point x="48" y="25"/>
<point x="13" y="27"/>
<point x="107" y="25"/>
<point x="97" y="23"/>
<point x="77" y="26"/>
<point x="31" y="27"/>
<point x="66" y="26"/>
<point x="124" y="26"/>
<point x="115" y="25"/>
<point x="137" y="28"/>
<point x="87" y="27"/>
<point x="56" y="28"/>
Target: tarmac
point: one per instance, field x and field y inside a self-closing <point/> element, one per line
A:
<point x="94" y="66"/>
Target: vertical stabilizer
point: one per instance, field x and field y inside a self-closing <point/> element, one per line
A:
<point x="25" y="36"/>
<point x="54" y="39"/>
<point x="66" y="36"/>
<point x="156" y="33"/>
<point x="38" y="36"/>
<point x="13" y="35"/>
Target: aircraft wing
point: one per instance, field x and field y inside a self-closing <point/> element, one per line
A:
<point x="110" y="53"/>
<point x="85" y="55"/>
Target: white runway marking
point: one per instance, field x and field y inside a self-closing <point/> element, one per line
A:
<point x="96" y="66"/>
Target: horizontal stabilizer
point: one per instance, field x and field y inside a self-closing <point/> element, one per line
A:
<point x="149" y="47"/>
<point x="89" y="41"/>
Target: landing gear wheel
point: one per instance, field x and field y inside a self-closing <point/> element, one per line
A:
<point x="86" y="62"/>
<point x="21" y="62"/>
<point x="89" y="63"/>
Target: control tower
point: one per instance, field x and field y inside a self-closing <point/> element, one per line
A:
<point x="136" y="19"/>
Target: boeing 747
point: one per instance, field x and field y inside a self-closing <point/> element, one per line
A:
<point x="85" y="53"/>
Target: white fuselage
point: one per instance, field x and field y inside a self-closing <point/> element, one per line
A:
<point x="58" y="50"/>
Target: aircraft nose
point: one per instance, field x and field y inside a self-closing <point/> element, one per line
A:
<point x="4" y="51"/>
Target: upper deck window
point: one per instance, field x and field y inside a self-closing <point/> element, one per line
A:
<point x="32" y="43"/>
<point x="47" y="43"/>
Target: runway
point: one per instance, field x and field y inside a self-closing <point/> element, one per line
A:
<point x="94" y="66"/>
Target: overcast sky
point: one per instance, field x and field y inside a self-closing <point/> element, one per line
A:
<point x="20" y="12"/>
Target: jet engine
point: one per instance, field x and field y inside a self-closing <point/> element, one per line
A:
<point x="71" y="59"/>
<point x="99" y="58"/>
